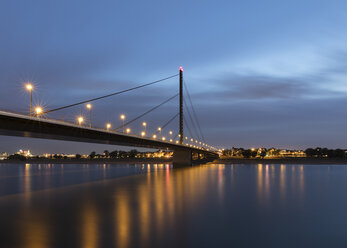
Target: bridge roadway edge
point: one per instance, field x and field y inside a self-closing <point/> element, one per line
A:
<point x="32" y="127"/>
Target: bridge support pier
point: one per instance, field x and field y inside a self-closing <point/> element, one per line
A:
<point x="182" y="158"/>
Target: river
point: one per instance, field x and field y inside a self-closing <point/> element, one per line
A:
<point x="154" y="205"/>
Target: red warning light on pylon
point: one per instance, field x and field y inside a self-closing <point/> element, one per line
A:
<point x="181" y="68"/>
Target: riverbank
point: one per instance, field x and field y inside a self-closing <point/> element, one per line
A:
<point x="281" y="161"/>
<point x="169" y="160"/>
<point x="89" y="161"/>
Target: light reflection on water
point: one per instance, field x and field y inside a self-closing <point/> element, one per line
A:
<point x="203" y="206"/>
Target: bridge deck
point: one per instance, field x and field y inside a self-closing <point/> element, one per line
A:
<point x="24" y="126"/>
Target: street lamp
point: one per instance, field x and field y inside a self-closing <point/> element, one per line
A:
<point x="163" y="138"/>
<point x="89" y="106"/>
<point x="154" y="136"/>
<point x="128" y="130"/>
<point x="30" y="88"/>
<point x="38" y="111"/>
<point x="159" y="129"/>
<point x="123" y="119"/>
<point x="80" y="120"/>
<point x="108" y="126"/>
<point x="144" y="124"/>
<point x="143" y="134"/>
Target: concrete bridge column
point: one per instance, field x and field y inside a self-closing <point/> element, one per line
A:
<point x="182" y="158"/>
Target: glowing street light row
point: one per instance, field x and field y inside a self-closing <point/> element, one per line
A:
<point x="80" y="119"/>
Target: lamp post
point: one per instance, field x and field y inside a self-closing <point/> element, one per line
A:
<point x="170" y="133"/>
<point x="144" y="124"/>
<point x="89" y="106"/>
<point x="159" y="129"/>
<point x="30" y="88"/>
<point x="123" y="119"/>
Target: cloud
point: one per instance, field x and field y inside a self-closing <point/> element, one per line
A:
<point x="327" y="82"/>
<point x="262" y="87"/>
<point x="229" y="88"/>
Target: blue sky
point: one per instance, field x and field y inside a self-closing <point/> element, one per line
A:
<point x="261" y="73"/>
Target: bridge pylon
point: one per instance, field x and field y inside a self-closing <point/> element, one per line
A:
<point x="181" y="106"/>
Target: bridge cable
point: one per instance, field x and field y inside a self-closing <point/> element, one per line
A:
<point x="113" y="94"/>
<point x="191" y="120"/>
<point x="194" y="112"/>
<point x="147" y="112"/>
<point x="167" y="123"/>
<point x="189" y="130"/>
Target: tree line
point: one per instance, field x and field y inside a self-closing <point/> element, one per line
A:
<point x="325" y="153"/>
<point x="116" y="154"/>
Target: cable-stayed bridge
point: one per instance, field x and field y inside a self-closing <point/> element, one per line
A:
<point x="38" y="124"/>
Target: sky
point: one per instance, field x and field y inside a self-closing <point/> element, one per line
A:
<point x="260" y="73"/>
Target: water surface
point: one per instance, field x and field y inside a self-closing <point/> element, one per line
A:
<point x="157" y="206"/>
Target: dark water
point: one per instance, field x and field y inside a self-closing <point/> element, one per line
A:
<point x="157" y="206"/>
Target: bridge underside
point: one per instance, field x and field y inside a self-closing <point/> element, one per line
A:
<point x="23" y="126"/>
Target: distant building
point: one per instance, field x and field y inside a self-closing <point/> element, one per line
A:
<point x="157" y="154"/>
<point x="25" y="153"/>
<point x="263" y="153"/>
<point x="292" y="154"/>
<point x="3" y="156"/>
<point x="61" y="155"/>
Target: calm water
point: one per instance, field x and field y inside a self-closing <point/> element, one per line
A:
<point x="157" y="206"/>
